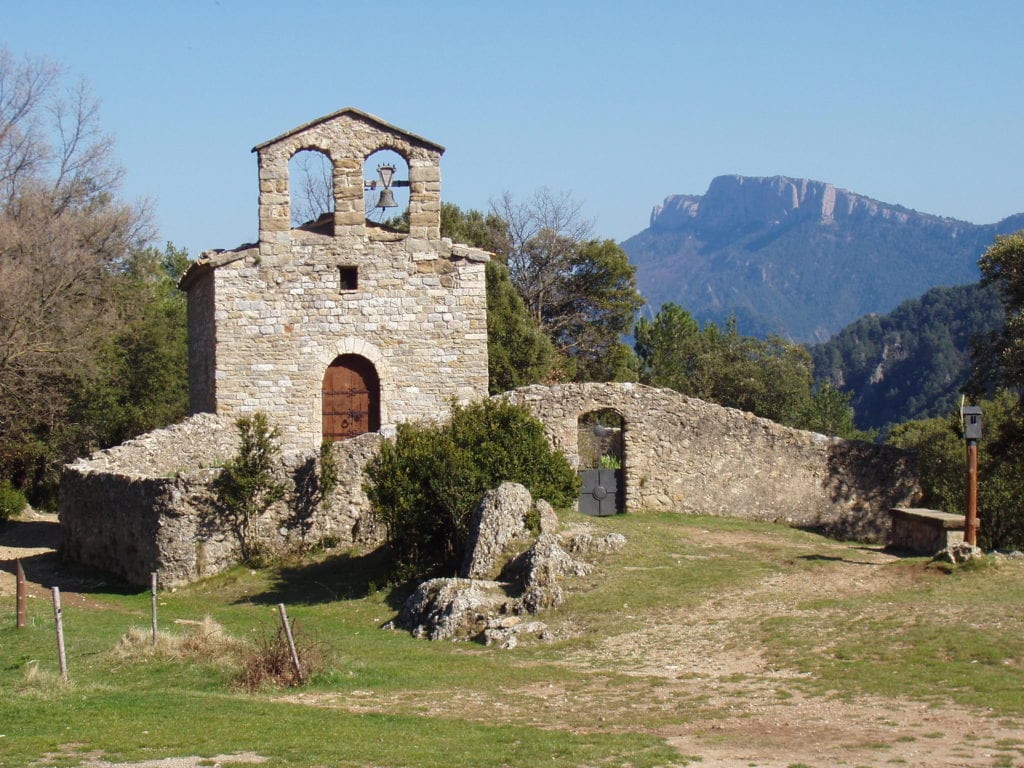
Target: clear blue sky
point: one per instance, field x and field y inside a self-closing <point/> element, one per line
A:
<point x="621" y="104"/>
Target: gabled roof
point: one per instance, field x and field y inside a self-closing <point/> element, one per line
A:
<point x="355" y="113"/>
<point x="210" y="260"/>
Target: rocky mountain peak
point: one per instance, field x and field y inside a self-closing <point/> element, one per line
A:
<point x="738" y="203"/>
<point x="797" y="257"/>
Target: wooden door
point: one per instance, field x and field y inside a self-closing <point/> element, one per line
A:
<point x="351" y="398"/>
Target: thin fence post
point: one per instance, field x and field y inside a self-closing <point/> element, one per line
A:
<point x="152" y="589"/>
<point x="59" y="620"/>
<point x="20" y="589"/>
<point x="291" y="640"/>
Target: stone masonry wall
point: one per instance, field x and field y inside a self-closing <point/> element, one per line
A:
<point x="687" y="455"/>
<point x="347" y="137"/>
<point x="147" y="505"/>
<point x="266" y="320"/>
<point x="419" y="317"/>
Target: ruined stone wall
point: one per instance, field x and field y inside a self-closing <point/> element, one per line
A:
<point x="147" y="505"/>
<point x="687" y="455"/>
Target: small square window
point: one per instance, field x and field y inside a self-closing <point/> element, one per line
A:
<point x="349" y="278"/>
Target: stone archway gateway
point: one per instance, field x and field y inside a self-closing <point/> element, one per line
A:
<point x="601" y="450"/>
<point x="351" y="398"/>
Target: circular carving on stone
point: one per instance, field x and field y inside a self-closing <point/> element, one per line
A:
<point x="600" y="492"/>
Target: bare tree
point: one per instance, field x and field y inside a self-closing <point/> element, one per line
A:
<point x="580" y="290"/>
<point x="62" y="234"/>
<point x="543" y="234"/>
<point x="312" y="187"/>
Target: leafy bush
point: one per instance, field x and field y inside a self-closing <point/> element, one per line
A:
<point x="12" y="501"/>
<point x="424" y="485"/>
<point x="246" y="487"/>
<point x="942" y="459"/>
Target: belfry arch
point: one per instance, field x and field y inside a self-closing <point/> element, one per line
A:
<point x="387" y="194"/>
<point x="311" y="190"/>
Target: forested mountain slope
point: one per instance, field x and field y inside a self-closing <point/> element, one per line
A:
<point x="910" y="363"/>
<point x="798" y="258"/>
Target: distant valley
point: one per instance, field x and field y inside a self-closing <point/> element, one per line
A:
<point x="911" y="362"/>
<point x="798" y="258"/>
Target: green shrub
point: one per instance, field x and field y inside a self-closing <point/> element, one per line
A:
<point x="328" y="475"/>
<point x="12" y="501"/>
<point x="942" y="459"/>
<point x="246" y="486"/>
<point x="424" y="485"/>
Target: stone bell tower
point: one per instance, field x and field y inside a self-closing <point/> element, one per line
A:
<point x="340" y="326"/>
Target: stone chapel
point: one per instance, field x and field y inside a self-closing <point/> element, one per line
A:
<point x="340" y="326"/>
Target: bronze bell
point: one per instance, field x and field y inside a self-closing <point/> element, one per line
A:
<point x="386" y="199"/>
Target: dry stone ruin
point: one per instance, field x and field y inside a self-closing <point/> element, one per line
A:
<point x="341" y="327"/>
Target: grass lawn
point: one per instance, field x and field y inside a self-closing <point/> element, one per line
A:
<point x="633" y="641"/>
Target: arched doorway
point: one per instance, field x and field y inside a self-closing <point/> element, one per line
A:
<point x="351" y="398"/>
<point x="601" y="448"/>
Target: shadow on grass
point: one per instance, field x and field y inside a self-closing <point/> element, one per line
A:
<point x="46" y="569"/>
<point x="36" y="544"/>
<point x="345" y="576"/>
<point x="898" y="554"/>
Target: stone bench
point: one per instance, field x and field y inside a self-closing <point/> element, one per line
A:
<point x="924" y="531"/>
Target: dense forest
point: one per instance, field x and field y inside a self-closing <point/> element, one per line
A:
<point x="912" y="362"/>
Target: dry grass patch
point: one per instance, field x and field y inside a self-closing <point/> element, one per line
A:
<point x="267" y="662"/>
<point x="270" y="663"/>
<point x="204" y="640"/>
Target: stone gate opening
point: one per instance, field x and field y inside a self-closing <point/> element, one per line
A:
<point x="351" y="398"/>
<point x="601" y="446"/>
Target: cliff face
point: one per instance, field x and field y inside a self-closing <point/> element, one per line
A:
<point x="797" y="257"/>
<point x="733" y="203"/>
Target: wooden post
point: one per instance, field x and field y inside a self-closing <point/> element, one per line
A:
<point x="291" y="640"/>
<point x="971" y="518"/>
<point x="152" y="589"/>
<point x="20" y="589"/>
<point x="59" y="619"/>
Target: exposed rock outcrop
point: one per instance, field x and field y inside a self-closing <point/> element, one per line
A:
<point x="958" y="553"/>
<point x="735" y="202"/>
<point x="529" y="581"/>
<point x="442" y="609"/>
<point x="498" y="520"/>
<point x="546" y="564"/>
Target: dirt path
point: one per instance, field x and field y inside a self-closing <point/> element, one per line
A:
<point x="705" y="656"/>
<point x="34" y="539"/>
<point x="700" y="682"/>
